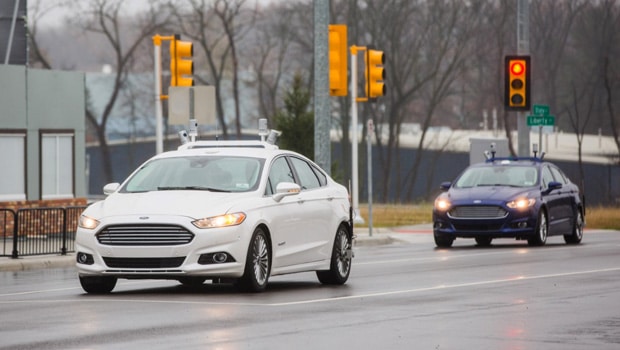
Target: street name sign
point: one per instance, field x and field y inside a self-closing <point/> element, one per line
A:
<point x="540" y="110"/>
<point x="537" y="120"/>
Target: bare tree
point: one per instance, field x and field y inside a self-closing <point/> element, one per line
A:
<point x="268" y="55"/>
<point x="37" y="11"/>
<point x="217" y="26"/>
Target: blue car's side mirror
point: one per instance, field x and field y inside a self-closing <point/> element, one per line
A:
<point x="445" y="185"/>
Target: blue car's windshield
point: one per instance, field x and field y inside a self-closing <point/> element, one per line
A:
<point x="515" y="176"/>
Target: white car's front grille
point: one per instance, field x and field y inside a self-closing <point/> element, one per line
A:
<point x="144" y="235"/>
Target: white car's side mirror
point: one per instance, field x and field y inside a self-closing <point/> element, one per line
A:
<point x="110" y="188"/>
<point x="286" y="189"/>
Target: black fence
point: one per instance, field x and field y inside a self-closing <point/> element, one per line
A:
<point x="38" y="231"/>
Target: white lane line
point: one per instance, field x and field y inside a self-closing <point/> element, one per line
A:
<point x="450" y="286"/>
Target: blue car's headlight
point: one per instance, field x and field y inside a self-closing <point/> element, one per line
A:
<point x="442" y="204"/>
<point x="521" y="203"/>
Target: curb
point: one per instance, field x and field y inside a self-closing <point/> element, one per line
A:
<point x="37" y="262"/>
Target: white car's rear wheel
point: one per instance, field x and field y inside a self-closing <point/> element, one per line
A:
<point x="340" y="266"/>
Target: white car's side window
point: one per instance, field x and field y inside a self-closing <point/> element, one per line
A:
<point x="279" y="172"/>
<point x="307" y="177"/>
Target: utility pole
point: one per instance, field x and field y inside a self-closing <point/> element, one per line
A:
<point x="322" y="117"/>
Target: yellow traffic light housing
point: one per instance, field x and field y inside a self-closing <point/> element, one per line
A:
<point x="338" y="60"/>
<point x="517" y="83"/>
<point x="375" y="73"/>
<point x="181" y="64"/>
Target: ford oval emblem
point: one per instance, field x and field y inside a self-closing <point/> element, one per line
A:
<point x="477" y="201"/>
<point x="144" y="218"/>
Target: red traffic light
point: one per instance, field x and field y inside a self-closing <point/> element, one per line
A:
<point x="517" y="68"/>
<point x="517" y="88"/>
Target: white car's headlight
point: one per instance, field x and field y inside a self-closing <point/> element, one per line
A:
<point x="87" y="222"/>
<point x="220" y="221"/>
<point x="521" y="203"/>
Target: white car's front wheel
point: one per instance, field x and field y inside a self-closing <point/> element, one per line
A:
<point x="257" y="263"/>
<point x="98" y="284"/>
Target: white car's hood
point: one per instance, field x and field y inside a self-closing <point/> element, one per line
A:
<point x="194" y="204"/>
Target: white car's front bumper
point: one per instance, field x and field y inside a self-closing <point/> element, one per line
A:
<point x="164" y="260"/>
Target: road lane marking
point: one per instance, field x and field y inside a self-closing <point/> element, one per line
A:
<point x="449" y="286"/>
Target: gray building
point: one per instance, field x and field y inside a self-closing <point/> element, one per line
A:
<point x="42" y="134"/>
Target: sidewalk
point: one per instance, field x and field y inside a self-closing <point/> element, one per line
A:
<point x="380" y="236"/>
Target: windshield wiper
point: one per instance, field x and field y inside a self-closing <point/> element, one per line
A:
<point x="191" y="188"/>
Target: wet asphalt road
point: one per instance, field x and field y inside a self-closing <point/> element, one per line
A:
<point x="403" y="295"/>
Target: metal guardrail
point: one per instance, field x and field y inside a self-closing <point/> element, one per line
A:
<point x="38" y="231"/>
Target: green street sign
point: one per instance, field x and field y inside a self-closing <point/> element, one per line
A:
<point x="540" y="110"/>
<point x="537" y="120"/>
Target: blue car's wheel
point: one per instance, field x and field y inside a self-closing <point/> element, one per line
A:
<point x="443" y="241"/>
<point x="577" y="235"/>
<point x="540" y="236"/>
<point x="484" y="241"/>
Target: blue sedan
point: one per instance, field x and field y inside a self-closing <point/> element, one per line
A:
<point x="520" y="198"/>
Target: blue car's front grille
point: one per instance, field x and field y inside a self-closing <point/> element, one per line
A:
<point x="477" y="212"/>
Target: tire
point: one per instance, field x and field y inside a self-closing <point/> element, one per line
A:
<point x="443" y="241"/>
<point x="484" y="241"/>
<point x="98" y="284"/>
<point x="192" y="281"/>
<point x="340" y="265"/>
<point x="257" y="264"/>
<point x="577" y="235"/>
<point x="540" y="236"/>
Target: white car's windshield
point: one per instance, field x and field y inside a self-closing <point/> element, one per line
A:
<point x="211" y="173"/>
<point x="515" y="176"/>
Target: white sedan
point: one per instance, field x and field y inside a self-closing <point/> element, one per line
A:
<point x="225" y="211"/>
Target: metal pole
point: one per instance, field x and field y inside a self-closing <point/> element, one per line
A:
<point x="322" y="141"/>
<point x="354" y="162"/>
<point x="159" y="138"/>
<point x="11" y="33"/>
<point x="369" y="131"/>
<point x="523" y="48"/>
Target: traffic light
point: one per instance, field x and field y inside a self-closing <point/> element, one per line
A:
<point x="517" y="83"/>
<point x="181" y="53"/>
<point x="375" y="73"/>
<point x="338" y="60"/>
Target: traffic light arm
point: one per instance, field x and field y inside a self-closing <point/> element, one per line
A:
<point x="354" y="51"/>
<point x="374" y="72"/>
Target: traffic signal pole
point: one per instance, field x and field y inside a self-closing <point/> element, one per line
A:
<point x="159" y="114"/>
<point x="180" y="65"/>
<point x="523" y="48"/>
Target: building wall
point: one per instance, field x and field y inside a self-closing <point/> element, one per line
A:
<point x="35" y="101"/>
